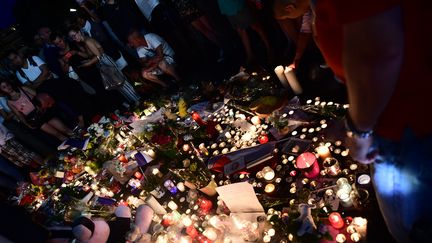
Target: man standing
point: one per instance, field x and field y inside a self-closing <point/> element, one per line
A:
<point x="381" y="50"/>
<point x="50" y="51"/>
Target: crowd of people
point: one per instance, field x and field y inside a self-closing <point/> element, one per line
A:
<point x="92" y="61"/>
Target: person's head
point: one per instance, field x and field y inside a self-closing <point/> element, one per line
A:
<point x="7" y="87"/>
<point x="75" y="35"/>
<point x="290" y="9"/>
<point x="83" y="228"/>
<point x="44" y="33"/>
<point x="58" y="40"/>
<point x="135" y="39"/>
<point x="15" y="58"/>
<point x="77" y="19"/>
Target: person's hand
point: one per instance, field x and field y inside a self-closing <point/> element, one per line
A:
<point x="360" y="149"/>
<point x="292" y="65"/>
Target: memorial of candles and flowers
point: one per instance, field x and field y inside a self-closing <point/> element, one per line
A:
<point x="245" y="160"/>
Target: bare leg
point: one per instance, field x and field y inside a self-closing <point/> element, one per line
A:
<point x="263" y="35"/>
<point x="289" y="28"/>
<point x="169" y="69"/>
<point x="60" y="126"/>
<point x="153" y="78"/>
<point x="246" y="44"/>
<point x="46" y="127"/>
<point x="203" y="26"/>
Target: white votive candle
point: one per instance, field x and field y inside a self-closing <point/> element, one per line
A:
<point x="279" y="70"/>
<point x="323" y="152"/>
<point x="292" y="80"/>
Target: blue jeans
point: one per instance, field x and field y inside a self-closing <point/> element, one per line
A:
<point x="402" y="176"/>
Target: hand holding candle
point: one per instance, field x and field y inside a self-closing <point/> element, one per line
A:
<point x="279" y="70"/>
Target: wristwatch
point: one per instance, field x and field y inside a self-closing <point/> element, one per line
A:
<point x="353" y="132"/>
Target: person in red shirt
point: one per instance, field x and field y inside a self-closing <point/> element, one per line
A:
<point x="380" y="49"/>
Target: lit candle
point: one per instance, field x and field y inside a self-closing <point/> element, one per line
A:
<point x="340" y="238"/>
<point x="344" y="198"/>
<point x="363" y="179"/>
<point x="255" y="120"/>
<point x="269" y="188"/>
<point x="343" y="184"/>
<point x="336" y="220"/>
<point x="138" y="175"/>
<point x="331" y="166"/>
<point x="268" y="173"/>
<point x="307" y="162"/>
<point x="360" y="224"/>
<point x="263" y="139"/>
<point x="181" y="186"/>
<point x="292" y="80"/>
<point x="210" y="233"/>
<point x="355" y="237"/>
<point x="323" y="152"/>
<point x="172" y="205"/>
<point x="279" y="70"/>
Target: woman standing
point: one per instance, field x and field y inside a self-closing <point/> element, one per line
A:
<point x="94" y="55"/>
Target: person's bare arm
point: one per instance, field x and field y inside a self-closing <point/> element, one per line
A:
<point x="372" y="58"/>
<point x="302" y="42"/>
<point x="159" y="55"/>
<point x="29" y="91"/>
<point x="95" y="49"/>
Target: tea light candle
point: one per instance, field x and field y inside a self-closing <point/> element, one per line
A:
<point x="255" y="120"/>
<point x="307" y="162"/>
<point x="340" y="238"/>
<point x="360" y="224"/>
<point x="279" y="70"/>
<point x="363" y="179"/>
<point x="269" y="188"/>
<point x="268" y="173"/>
<point x="336" y="220"/>
<point x="323" y="152"/>
<point x="355" y="237"/>
<point x="331" y="166"/>
<point x="172" y="205"/>
<point x="344" y="197"/>
<point x="343" y="184"/>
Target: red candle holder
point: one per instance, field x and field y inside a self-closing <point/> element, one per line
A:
<point x="336" y="220"/>
<point x="308" y="164"/>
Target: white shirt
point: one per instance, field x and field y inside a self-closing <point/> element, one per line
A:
<point x="32" y="72"/>
<point x="87" y="28"/>
<point x="146" y="7"/>
<point x="153" y="42"/>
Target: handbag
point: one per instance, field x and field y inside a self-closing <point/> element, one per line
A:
<point x="35" y="118"/>
<point x="112" y="77"/>
<point x="41" y="102"/>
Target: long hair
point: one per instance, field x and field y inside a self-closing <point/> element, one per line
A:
<point x="14" y="86"/>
